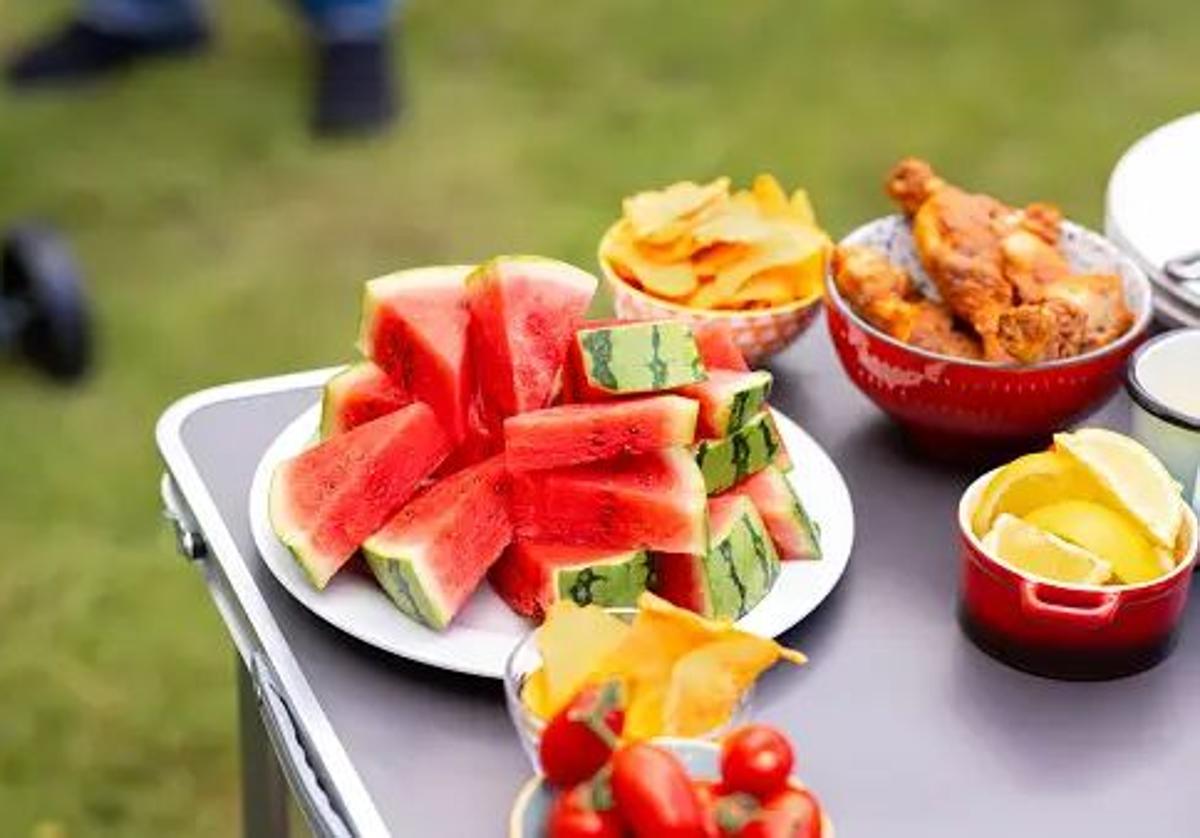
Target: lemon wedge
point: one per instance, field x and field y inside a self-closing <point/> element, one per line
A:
<point x="1036" y="551"/>
<point x="1131" y="476"/>
<point x="1030" y="482"/>
<point x="1113" y="536"/>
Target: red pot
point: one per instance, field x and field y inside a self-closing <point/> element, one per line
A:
<point x="954" y="407"/>
<point x="1068" y="631"/>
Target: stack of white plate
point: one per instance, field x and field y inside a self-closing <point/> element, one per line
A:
<point x="1153" y="213"/>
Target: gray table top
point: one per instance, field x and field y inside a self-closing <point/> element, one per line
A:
<point x="902" y="726"/>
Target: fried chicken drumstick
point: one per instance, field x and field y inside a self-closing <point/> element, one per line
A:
<point x="999" y="270"/>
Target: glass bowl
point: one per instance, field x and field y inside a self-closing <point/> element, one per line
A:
<point x="525" y="659"/>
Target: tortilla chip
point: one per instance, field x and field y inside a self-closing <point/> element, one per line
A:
<point x="574" y="642"/>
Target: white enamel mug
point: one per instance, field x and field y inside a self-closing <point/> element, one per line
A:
<point x="1164" y="383"/>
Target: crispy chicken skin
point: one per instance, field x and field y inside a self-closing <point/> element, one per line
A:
<point x="885" y="296"/>
<point x="998" y="269"/>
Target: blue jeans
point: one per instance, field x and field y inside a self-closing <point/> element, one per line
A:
<point x="331" y="20"/>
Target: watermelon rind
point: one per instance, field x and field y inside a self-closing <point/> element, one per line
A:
<point x="615" y="582"/>
<point x="741" y="564"/>
<point x="640" y="357"/>
<point x="728" y="400"/>
<point x="726" y="461"/>
<point x="402" y="574"/>
<point x="792" y="530"/>
<point x="739" y="568"/>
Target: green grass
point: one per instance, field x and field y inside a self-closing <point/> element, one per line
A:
<point x="222" y="243"/>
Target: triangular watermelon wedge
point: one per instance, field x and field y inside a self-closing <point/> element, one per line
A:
<point x="432" y="556"/>
<point x="414" y="326"/>
<point x="325" y="502"/>
<point x="356" y="395"/>
<point x="523" y="314"/>
<point x="654" y="501"/>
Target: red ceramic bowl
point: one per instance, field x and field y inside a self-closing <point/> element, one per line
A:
<point x="1068" y="631"/>
<point x="954" y="407"/>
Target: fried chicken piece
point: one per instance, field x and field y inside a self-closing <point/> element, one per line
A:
<point x="1031" y="264"/>
<point x="1101" y="298"/>
<point x="887" y="298"/>
<point x="957" y="236"/>
<point x="1044" y="331"/>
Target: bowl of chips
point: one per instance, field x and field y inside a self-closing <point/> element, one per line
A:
<point x="755" y="258"/>
<point x="680" y="674"/>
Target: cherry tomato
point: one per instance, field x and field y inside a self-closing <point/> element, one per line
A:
<point x="574" y="815"/>
<point x="579" y="740"/>
<point x="791" y="813"/>
<point x="757" y="760"/>
<point x="654" y="793"/>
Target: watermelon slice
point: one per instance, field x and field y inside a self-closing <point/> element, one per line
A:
<point x="718" y="349"/>
<point x="358" y="394"/>
<point x="792" y="531"/>
<point x="432" y="556"/>
<point x="531" y="577"/>
<point x="746" y="451"/>
<point x="581" y="433"/>
<point x="728" y="399"/>
<point x="414" y="326"/>
<point x="325" y="502"/>
<point x="638" y="357"/>
<point x="733" y="575"/>
<point x="653" y="501"/>
<point x="523" y="313"/>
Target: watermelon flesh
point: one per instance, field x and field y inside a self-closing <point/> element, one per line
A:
<point x="638" y="357"/>
<point x="718" y="349"/>
<point x="728" y="399"/>
<point x="746" y="451"/>
<point x="581" y="433"/>
<point x="532" y="576"/>
<point x="432" y="555"/>
<point x="732" y="575"/>
<point x="325" y="502"/>
<point x="653" y="501"/>
<point x="523" y="312"/>
<point x="415" y="327"/>
<point x="356" y="395"/>
<point x="792" y="530"/>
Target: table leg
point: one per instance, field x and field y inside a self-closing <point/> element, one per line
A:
<point x="264" y="788"/>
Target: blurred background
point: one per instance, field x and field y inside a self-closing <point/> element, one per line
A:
<point x="221" y="241"/>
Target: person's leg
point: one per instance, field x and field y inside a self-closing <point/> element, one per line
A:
<point x="355" y="91"/>
<point x="108" y="35"/>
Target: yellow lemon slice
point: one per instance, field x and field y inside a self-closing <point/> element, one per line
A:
<point x="1131" y="476"/>
<point x="1036" y="551"/>
<point x="1111" y="535"/>
<point x="1030" y="482"/>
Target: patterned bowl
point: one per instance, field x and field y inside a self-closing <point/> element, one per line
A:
<point x="759" y="333"/>
<point x="960" y="409"/>
<point x="532" y="806"/>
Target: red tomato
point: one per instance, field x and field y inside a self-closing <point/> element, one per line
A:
<point x="654" y="794"/>
<point x="574" y="816"/>
<point x="579" y="740"/>
<point x="757" y="760"/>
<point x="791" y="813"/>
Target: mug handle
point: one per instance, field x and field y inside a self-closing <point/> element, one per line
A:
<point x="1087" y="616"/>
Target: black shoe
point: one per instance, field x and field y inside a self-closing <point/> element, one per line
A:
<point x="81" y="52"/>
<point x="355" y="91"/>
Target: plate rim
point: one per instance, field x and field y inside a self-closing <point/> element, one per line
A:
<point x="490" y="664"/>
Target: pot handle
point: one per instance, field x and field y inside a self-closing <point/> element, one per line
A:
<point x="1086" y="616"/>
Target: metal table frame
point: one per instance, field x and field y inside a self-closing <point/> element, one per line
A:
<point x="297" y="730"/>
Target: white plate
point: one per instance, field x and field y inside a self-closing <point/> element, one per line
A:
<point x="483" y="633"/>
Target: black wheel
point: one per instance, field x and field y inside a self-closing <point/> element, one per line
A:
<point x="41" y="291"/>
